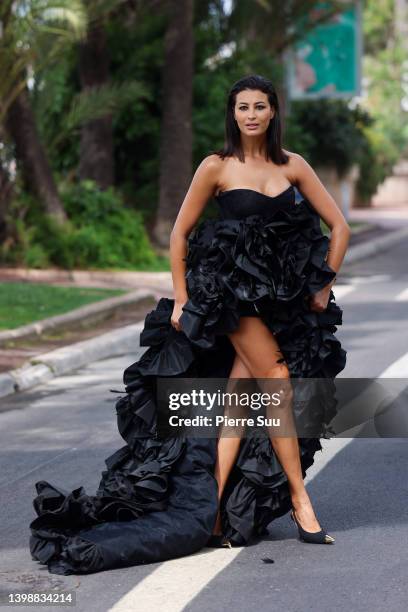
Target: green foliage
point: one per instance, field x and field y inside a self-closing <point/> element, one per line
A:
<point x="137" y="55"/>
<point x="376" y="162"/>
<point x="51" y="101"/>
<point x="104" y="233"/>
<point x="36" y="256"/>
<point x="386" y="93"/>
<point x="384" y="69"/>
<point x="101" y="233"/>
<point x="100" y="101"/>
<point x="328" y="133"/>
<point x="134" y="97"/>
<point x="379" y="25"/>
<point x="33" y="35"/>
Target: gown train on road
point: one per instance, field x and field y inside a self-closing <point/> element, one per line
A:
<point x="157" y="498"/>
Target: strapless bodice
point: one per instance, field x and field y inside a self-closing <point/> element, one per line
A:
<point x="241" y="202"/>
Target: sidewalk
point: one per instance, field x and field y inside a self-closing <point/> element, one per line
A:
<point x="384" y="216"/>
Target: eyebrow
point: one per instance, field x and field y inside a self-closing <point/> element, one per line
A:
<point x="258" y="102"/>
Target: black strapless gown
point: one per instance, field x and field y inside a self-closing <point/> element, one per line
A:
<point x="157" y="499"/>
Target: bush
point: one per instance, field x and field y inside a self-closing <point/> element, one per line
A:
<point x="101" y="233"/>
<point x="328" y="133"/>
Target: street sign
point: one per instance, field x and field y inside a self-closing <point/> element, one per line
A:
<point x="327" y="62"/>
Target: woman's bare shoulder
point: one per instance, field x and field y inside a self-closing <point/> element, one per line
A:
<point x="295" y="166"/>
<point x="212" y="163"/>
<point x="210" y="170"/>
<point x="296" y="160"/>
<point x="293" y="157"/>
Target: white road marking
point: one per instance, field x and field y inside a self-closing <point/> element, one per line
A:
<point x="176" y="582"/>
<point x="403" y="296"/>
<point x="398" y="369"/>
<point x="342" y="290"/>
<point x="372" y="278"/>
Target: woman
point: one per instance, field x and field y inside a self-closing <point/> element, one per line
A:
<point x="254" y="113"/>
<point x="252" y="301"/>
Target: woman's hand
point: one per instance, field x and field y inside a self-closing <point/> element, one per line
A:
<point x="318" y="301"/>
<point x="176" y="314"/>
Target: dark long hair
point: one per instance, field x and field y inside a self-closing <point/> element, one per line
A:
<point x="232" y="145"/>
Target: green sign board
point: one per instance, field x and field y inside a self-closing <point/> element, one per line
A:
<point x="327" y="62"/>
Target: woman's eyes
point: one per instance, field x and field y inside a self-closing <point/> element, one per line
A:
<point x="245" y="108"/>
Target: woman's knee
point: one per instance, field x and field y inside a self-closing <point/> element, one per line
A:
<point x="258" y="350"/>
<point x="277" y="370"/>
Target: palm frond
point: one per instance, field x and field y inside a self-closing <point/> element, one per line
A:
<point x="265" y="5"/>
<point x="66" y="17"/>
<point x="25" y="26"/>
<point x="97" y="102"/>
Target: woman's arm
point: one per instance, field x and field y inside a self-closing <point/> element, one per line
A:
<point x="313" y="189"/>
<point x="202" y="188"/>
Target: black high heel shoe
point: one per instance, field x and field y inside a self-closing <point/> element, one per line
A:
<point x="218" y="541"/>
<point x="317" y="537"/>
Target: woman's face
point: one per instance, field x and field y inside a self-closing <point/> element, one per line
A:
<point x="253" y="111"/>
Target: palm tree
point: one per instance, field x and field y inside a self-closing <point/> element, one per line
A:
<point x="96" y="146"/>
<point x="176" y="129"/>
<point x="101" y="98"/>
<point x="27" y="29"/>
<point x="6" y="188"/>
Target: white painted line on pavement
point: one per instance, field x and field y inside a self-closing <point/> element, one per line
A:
<point x="176" y="582"/>
<point x="403" y="296"/>
<point x="342" y="290"/>
<point x="372" y="278"/>
<point x="398" y="369"/>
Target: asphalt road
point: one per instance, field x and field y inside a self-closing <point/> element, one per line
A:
<point x="63" y="431"/>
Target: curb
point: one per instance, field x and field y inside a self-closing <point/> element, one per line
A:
<point x="360" y="251"/>
<point x="119" y="279"/>
<point x="96" y="310"/>
<point x="42" y="368"/>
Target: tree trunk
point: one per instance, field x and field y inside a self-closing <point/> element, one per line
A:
<point x="6" y="189"/>
<point x="176" y="132"/>
<point x="31" y="156"/>
<point x="96" y="147"/>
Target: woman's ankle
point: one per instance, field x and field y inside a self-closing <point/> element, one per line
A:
<point x="217" y="529"/>
<point x="300" y="498"/>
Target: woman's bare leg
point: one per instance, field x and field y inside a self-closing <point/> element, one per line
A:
<point x="259" y="351"/>
<point x="229" y="439"/>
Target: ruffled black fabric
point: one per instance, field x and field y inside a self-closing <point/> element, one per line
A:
<point x="157" y="499"/>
